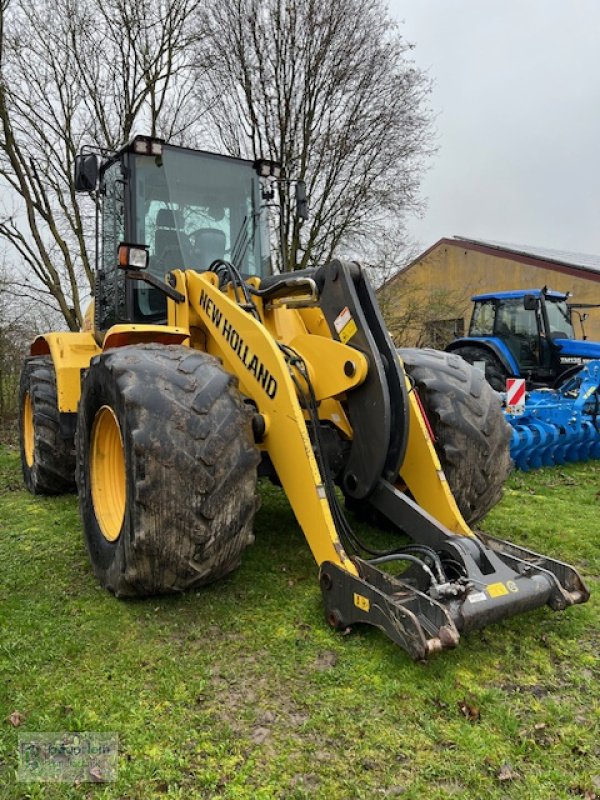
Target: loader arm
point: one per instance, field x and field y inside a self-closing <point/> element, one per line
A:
<point x="248" y="351"/>
<point x="457" y="580"/>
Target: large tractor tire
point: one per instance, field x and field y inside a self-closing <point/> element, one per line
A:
<point x="495" y="373"/>
<point x="471" y="435"/>
<point x="166" y="470"/>
<point x="47" y="457"/>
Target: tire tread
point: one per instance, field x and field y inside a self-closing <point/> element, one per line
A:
<point x="53" y="469"/>
<point x="472" y="435"/>
<point x="194" y="470"/>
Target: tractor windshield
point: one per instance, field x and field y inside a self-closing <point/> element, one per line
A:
<point x="559" y="319"/>
<point x="192" y="208"/>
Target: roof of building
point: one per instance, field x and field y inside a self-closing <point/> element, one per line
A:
<point x="557" y="260"/>
<point x="581" y="260"/>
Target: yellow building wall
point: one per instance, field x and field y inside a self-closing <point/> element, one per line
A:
<point x="443" y="281"/>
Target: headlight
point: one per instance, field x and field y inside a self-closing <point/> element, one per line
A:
<point x="133" y="256"/>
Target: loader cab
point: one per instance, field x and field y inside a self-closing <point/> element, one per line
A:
<point x="188" y="207"/>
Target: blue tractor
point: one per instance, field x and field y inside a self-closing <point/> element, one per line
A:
<point x="525" y="334"/>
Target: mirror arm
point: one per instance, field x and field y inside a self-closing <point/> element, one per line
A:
<point x="152" y="280"/>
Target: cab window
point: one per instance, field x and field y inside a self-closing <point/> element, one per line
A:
<point x="192" y="209"/>
<point x="482" y="321"/>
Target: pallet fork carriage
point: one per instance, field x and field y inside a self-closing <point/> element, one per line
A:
<point x="332" y="412"/>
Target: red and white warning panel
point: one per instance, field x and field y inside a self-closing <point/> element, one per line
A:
<point x="515" y="396"/>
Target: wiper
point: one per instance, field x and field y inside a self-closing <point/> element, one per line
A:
<point x="243" y="240"/>
<point x="564" y="312"/>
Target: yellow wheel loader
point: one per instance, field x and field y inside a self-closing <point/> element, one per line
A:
<point x="203" y="371"/>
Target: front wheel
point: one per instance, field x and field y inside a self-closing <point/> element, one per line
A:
<point x="472" y="437"/>
<point x="166" y="470"/>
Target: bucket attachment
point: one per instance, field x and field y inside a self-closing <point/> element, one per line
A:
<point x="457" y="584"/>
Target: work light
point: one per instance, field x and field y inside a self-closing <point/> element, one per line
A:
<point x="267" y="168"/>
<point x="145" y="146"/>
<point x="133" y="256"/>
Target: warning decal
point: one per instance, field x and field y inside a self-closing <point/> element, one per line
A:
<point x="345" y="325"/>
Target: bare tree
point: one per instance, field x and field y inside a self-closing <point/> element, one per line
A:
<point x="385" y="258"/>
<point x="75" y="72"/>
<point x="329" y="90"/>
<point x="20" y="320"/>
<point x="419" y="313"/>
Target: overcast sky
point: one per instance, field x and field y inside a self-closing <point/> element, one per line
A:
<point x="517" y="98"/>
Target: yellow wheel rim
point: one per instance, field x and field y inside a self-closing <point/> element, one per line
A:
<point x="107" y="473"/>
<point x="28" y="430"/>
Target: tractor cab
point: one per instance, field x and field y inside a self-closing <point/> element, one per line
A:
<point x="523" y="323"/>
<point x="187" y="208"/>
<point x="525" y="334"/>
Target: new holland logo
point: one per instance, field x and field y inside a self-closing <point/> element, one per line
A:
<point x="251" y="361"/>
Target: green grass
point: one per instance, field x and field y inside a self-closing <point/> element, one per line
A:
<point x="241" y="690"/>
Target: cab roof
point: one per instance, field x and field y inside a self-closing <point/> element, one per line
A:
<point x="517" y="294"/>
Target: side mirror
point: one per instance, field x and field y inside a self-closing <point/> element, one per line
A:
<point x="530" y="302"/>
<point x="301" y="200"/>
<point x="86" y="172"/>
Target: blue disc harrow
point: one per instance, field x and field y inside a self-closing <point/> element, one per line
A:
<point x="559" y="425"/>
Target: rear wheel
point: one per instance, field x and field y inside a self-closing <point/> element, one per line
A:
<point x="166" y="470"/>
<point x="471" y="433"/>
<point x="495" y="373"/>
<point x="47" y="456"/>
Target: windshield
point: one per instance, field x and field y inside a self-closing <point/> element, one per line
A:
<point x="559" y="319"/>
<point x="195" y="208"/>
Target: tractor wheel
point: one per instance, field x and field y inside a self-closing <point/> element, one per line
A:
<point x="495" y="373"/>
<point x="47" y="458"/>
<point x="471" y="434"/>
<point x="166" y="470"/>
